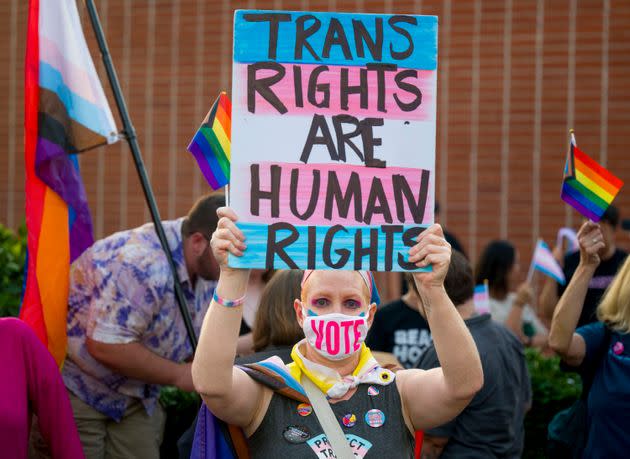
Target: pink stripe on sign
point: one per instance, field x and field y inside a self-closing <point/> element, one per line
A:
<point x="329" y="81"/>
<point x="374" y="196"/>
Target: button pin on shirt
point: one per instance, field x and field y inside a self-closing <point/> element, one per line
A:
<point x="304" y="409"/>
<point x="375" y="418"/>
<point x="296" y="434"/>
<point x="349" y="420"/>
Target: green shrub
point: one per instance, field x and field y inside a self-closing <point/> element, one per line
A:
<point x="12" y="257"/>
<point x="181" y="409"/>
<point x="552" y="390"/>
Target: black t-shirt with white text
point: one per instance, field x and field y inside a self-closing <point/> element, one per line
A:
<point x="602" y="278"/>
<point x="401" y="330"/>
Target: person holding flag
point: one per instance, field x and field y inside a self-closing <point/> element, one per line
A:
<point x="510" y="302"/>
<point x="599" y="352"/>
<point x="611" y="258"/>
<point x="590" y="189"/>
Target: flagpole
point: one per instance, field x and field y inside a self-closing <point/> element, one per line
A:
<point x="130" y="135"/>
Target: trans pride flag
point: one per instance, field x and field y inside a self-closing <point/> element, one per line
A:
<point x="211" y="144"/>
<point x="66" y="112"/>
<point x="587" y="186"/>
<point x="544" y="262"/>
<point x="481" y="298"/>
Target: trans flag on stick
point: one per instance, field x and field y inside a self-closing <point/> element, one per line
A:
<point x="481" y="298"/>
<point x="587" y="186"/>
<point x="544" y="262"/>
<point x="66" y="112"/>
<point x="211" y="144"/>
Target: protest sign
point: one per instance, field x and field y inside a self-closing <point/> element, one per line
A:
<point x="333" y="138"/>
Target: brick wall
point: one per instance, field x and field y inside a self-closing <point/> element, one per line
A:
<point x="514" y="75"/>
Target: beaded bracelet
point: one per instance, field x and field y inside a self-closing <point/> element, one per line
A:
<point x="228" y="303"/>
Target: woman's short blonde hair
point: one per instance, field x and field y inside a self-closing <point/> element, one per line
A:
<point x="614" y="308"/>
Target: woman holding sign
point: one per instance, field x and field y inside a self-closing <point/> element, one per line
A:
<point x="376" y="410"/>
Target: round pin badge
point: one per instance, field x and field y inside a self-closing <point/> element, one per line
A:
<point x="375" y="418"/>
<point x="349" y="420"/>
<point x="618" y="348"/>
<point x="373" y="391"/>
<point x="304" y="409"/>
<point x="385" y="376"/>
<point x="296" y="434"/>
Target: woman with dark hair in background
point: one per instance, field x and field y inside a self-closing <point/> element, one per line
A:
<point x="509" y="301"/>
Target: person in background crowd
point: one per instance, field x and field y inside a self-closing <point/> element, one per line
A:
<point x="509" y="301"/>
<point x="492" y="424"/>
<point x="381" y="416"/>
<point x="600" y="350"/>
<point x="126" y="336"/>
<point x="398" y="328"/>
<point x="611" y="258"/>
<point x="276" y="330"/>
<point x="32" y="385"/>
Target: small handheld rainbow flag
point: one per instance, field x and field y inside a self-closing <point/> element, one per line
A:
<point x="587" y="186"/>
<point x="211" y="144"/>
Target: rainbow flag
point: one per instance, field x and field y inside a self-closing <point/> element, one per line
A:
<point x="544" y="262"/>
<point x="65" y="112"/>
<point x="587" y="186"/>
<point x="211" y="144"/>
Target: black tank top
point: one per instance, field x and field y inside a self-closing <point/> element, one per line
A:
<point x="285" y="434"/>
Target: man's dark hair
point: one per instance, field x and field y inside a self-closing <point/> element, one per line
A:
<point x="202" y="217"/>
<point x="611" y="216"/>
<point x="495" y="264"/>
<point x="458" y="283"/>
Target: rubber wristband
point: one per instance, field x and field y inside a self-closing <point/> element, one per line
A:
<point x="228" y="303"/>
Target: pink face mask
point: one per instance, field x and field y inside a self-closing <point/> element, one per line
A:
<point x="335" y="336"/>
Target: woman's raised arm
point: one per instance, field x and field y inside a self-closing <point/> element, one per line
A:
<point x="229" y="393"/>
<point x="562" y="337"/>
<point x="436" y="396"/>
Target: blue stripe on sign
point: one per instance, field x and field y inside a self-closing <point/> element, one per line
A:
<point x="256" y="235"/>
<point x="251" y="39"/>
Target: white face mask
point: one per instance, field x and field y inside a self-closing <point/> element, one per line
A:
<point x="335" y="336"/>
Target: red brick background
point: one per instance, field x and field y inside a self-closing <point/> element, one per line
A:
<point x="514" y="75"/>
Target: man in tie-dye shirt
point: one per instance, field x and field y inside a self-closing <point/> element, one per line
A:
<point x="126" y="336"/>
